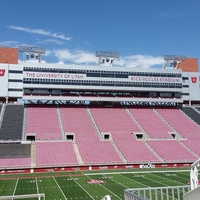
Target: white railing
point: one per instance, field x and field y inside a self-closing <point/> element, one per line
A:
<point x="194" y="181"/>
<point x="157" y="193"/>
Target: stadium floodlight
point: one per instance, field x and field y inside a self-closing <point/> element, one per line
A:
<point x="107" y="54"/>
<point x="35" y="52"/>
<point x="174" y="57"/>
<point x="29" y="49"/>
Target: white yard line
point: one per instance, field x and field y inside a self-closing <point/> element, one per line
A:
<point x="118" y="183"/>
<point x="36" y="185"/>
<point x="15" y="187"/>
<point x="82" y="187"/>
<point x="144" y="184"/>
<point x="183" y="177"/>
<point x="59" y="188"/>
<point x="160" y="183"/>
<point x="137" y="181"/>
<point x="106" y="188"/>
<point x="135" y="172"/>
<point x="169" y="179"/>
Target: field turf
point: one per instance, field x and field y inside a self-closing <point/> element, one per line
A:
<point x="77" y="185"/>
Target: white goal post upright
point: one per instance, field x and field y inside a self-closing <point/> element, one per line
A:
<point x="194" y="181"/>
<point x="107" y="197"/>
<point x="25" y="196"/>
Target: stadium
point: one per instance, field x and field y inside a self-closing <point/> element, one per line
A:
<point x="73" y="118"/>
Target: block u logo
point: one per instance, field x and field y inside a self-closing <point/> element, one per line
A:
<point x="2" y="72"/>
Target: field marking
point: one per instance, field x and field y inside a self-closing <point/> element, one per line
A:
<point x="59" y="188"/>
<point x="15" y="186"/>
<point x="140" y="172"/>
<point x="118" y="182"/>
<point x="110" y="173"/>
<point x="43" y="176"/>
<point x="36" y="185"/>
<point x="160" y="183"/>
<point x="144" y="185"/>
<point x="82" y="188"/>
<point x="184" y="177"/>
<point x="112" y="179"/>
<point x="106" y="188"/>
<point x="168" y="179"/>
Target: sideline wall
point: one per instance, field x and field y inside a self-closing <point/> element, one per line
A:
<point x="85" y="168"/>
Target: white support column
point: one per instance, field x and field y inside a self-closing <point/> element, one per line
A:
<point x="194" y="181"/>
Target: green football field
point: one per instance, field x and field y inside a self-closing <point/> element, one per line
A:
<point x="90" y="184"/>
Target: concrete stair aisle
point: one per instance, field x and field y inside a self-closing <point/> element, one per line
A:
<point x="76" y="150"/>
<point x="151" y="149"/>
<point x="60" y="123"/>
<point x="33" y="154"/>
<point x="118" y="151"/>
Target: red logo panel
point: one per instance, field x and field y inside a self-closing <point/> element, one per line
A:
<point x="92" y="181"/>
<point x="194" y="79"/>
<point x="2" y="72"/>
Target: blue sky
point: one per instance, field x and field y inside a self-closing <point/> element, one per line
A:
<point x="142" y="31"/>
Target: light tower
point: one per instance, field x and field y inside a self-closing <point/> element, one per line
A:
<point x="174" y="60"/>
<point x="32" y="53"/>
<point x="106" y="58"/>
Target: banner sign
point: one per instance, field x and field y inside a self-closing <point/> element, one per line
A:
<point x="151" y="79"/>
<point x="43" y="75"/>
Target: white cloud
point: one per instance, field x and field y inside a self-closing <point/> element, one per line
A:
<point x="48" y="53"/>
<point x="61" y="63"/>
<point x="82" y="57"/>
<point x="40" y="32"/>
<point x="55" y="41"/>
<point x="77" y="57"/>
<point x="142" y="61"/>
<point x="9" y="43"/>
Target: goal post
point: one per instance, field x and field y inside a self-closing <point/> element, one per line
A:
<point x="107" y="197"/>
<point x="25" y="196"/>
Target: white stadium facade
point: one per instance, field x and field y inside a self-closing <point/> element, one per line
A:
<point x="102" y="83"/>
